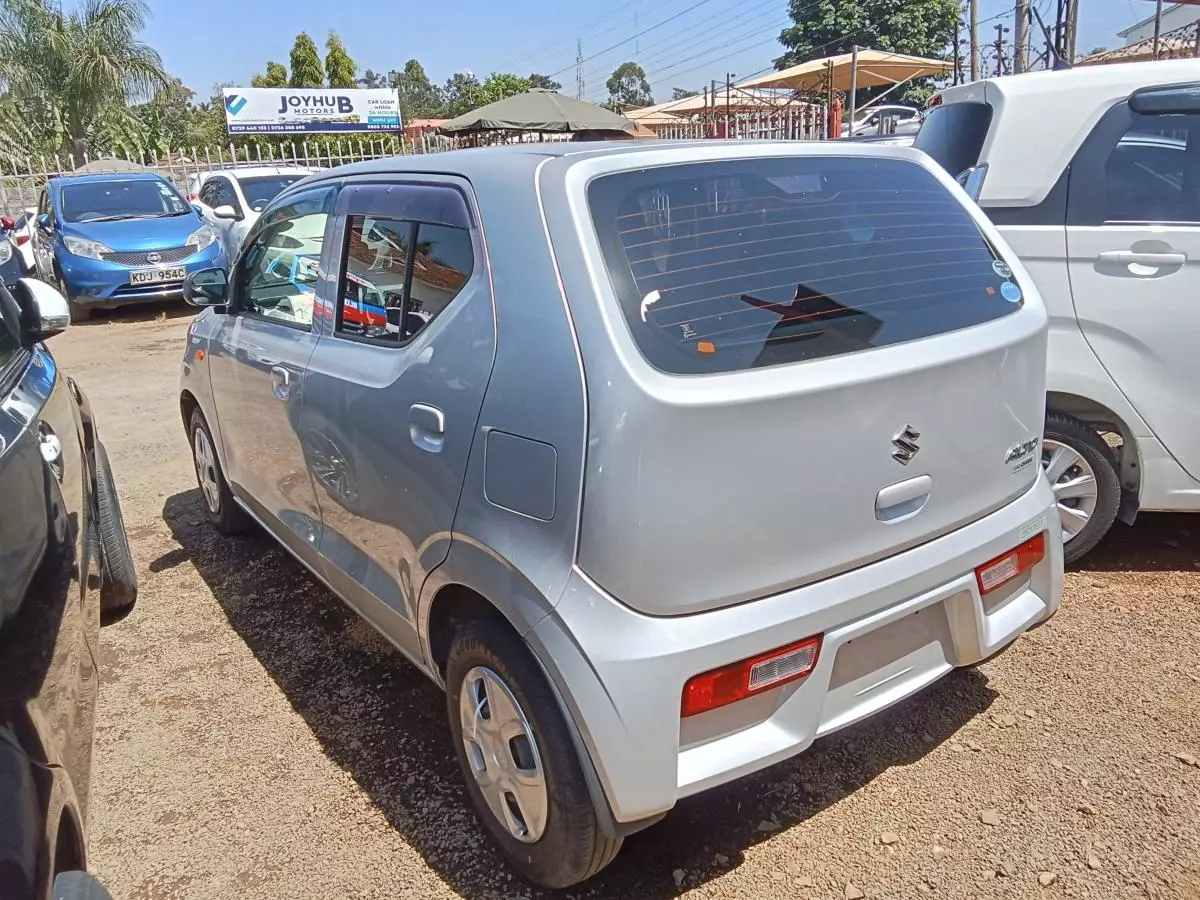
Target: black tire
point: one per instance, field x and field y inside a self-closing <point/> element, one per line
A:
<point x="572" y="847"/>
<point x="1091" y="446"/>
<point x="79" y="312"/>
<point x="228" y="517"/>
<point x="118" y="577"/>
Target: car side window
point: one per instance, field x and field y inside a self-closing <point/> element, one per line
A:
<point x="1152" y="175"/>
<point x="224" y="194"/>
<point x="277" y="273"/>
<point x="389" y="294"/>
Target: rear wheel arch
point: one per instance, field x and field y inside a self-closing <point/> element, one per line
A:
<point x="1104" y="421"/>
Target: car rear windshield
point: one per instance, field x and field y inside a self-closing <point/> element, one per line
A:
<point x="953" y="134"/>
<point x="740" y="264"/>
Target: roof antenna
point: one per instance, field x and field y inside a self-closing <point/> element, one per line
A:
<point x="1057" y="63"/>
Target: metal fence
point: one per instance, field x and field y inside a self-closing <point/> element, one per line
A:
<point x="793" y="123"/>
<point x="22" y="182"/>
<point x="21" y="185"/>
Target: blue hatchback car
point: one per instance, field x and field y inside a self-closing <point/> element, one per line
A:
<point x="116" y="239"/>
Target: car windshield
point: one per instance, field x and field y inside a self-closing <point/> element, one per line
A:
<point x="262" y="189"/>
<point x="106" y="201"/>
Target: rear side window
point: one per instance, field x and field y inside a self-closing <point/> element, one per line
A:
<point x="953" y="134"/>
<point x="1153" y="172"/>
<point x="739" y="264"/>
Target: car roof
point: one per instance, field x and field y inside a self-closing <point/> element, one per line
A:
<point x="494" y="170"/>
<point x="252" y="171"/>
<point x="1053" y="111"/>
<point x="60" y="180"/>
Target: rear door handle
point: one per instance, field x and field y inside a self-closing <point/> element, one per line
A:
<point x="1139" y="258"/>
<point x="427" y="427"/>
<point x="281" y="382"/>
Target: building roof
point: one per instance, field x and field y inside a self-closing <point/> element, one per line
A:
<point x="1174" y="44"/>
<point x="1149" y="20"/>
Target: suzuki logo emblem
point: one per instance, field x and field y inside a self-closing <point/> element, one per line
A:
<point x="153" y="257"/>
<point x="906" y="446"/>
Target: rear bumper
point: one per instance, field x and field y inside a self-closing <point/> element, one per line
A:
<point x="103" y="285"/>
<point x="911" y="618"/>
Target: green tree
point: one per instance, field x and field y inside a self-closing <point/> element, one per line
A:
<point x="276" y="77"/>
<point x="500" y="85"/>
<point x="460" y="93"/>
<point x="340" y="69"/>
<point x="828" y="27"/>
<point x="419" y="98"/>
<point x="543" y="81"/>
<point x="628" y="87"/>
<point x="306" y="64"/>
<point x="74" y="68"/>
<point x="681" y="93"/>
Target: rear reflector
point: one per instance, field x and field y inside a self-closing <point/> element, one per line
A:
<point x="740" y="680"/>
<point x="22" y="240"/>
<point x="1016" y="561"/>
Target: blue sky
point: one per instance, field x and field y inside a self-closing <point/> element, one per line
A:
<point x="686" y="42"/>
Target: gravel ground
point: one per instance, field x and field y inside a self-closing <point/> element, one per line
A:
<point x="257" y="741"/>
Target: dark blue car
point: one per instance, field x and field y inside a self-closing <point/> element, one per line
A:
<point x="117" y="239"/>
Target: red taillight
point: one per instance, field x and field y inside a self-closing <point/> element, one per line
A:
<point x="1003" y="569"/>
<point x="22" y="239"/>
<point x="743" y="679"/>
<point x="192" y="197"/>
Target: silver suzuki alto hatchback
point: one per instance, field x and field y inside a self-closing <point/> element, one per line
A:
<point x="664" y="460"/>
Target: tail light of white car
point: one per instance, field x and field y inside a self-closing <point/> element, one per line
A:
<point x="1017" y="561"/>
<point x="737" y="681"/>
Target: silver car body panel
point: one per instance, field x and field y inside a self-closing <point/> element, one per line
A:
<point x="565" y="374"/>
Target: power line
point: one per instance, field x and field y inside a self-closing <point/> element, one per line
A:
<point x="670" y="47"/>
<point x="683" y="12"/>
<point x="566" y="37"/>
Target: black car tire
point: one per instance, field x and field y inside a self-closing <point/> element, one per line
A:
<point x="118" y="577"/>
<point x="228" y="518"/>
<point x="79" y="312"/>
<point x="572" y="847"/>
<point x="1088" y="443"/>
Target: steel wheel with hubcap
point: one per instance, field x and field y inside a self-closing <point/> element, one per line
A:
<point x="518" y="758"/>
<point x="503" y="754"/>
<point x="223" y="512"/>
<point x="1079" y="466"/>
<point x="206" y="470"/>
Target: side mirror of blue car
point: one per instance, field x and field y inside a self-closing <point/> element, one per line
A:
<point x="43" y="221"/>
<point x="207" y="287"/>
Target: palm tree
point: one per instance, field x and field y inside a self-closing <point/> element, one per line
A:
<point x="81" y="64"/>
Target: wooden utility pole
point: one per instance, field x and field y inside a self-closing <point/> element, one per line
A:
<point x="973" y="6"/>
<point x="1157" y="25"/>
<point x="1072" y="27"/>
<point x="1021" y="37"/>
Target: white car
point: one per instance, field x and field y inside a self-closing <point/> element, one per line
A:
<point x="1093" y="177"/>
<point x="231" y="199"/>
<point x="885" y="119"/>
<point x="22" y="238"/>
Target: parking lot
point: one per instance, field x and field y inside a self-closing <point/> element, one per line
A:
<point x="256" y="739"/>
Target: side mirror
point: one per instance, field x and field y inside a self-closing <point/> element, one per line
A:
<point x="207" y="287"/>
<point x="43" y="221"/>
<point x="226" y="211"/>
<point x="45" y="311"/>
<point x="198" y="209"/>
<point x="971" y="180"/>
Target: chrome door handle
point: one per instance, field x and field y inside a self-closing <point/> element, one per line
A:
<point x="281" y="382"/>
<point x="427" y="427"/>
<point x="1139" y="258"/>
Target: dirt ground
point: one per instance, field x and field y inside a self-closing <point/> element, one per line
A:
<point x="257" y="741"/>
